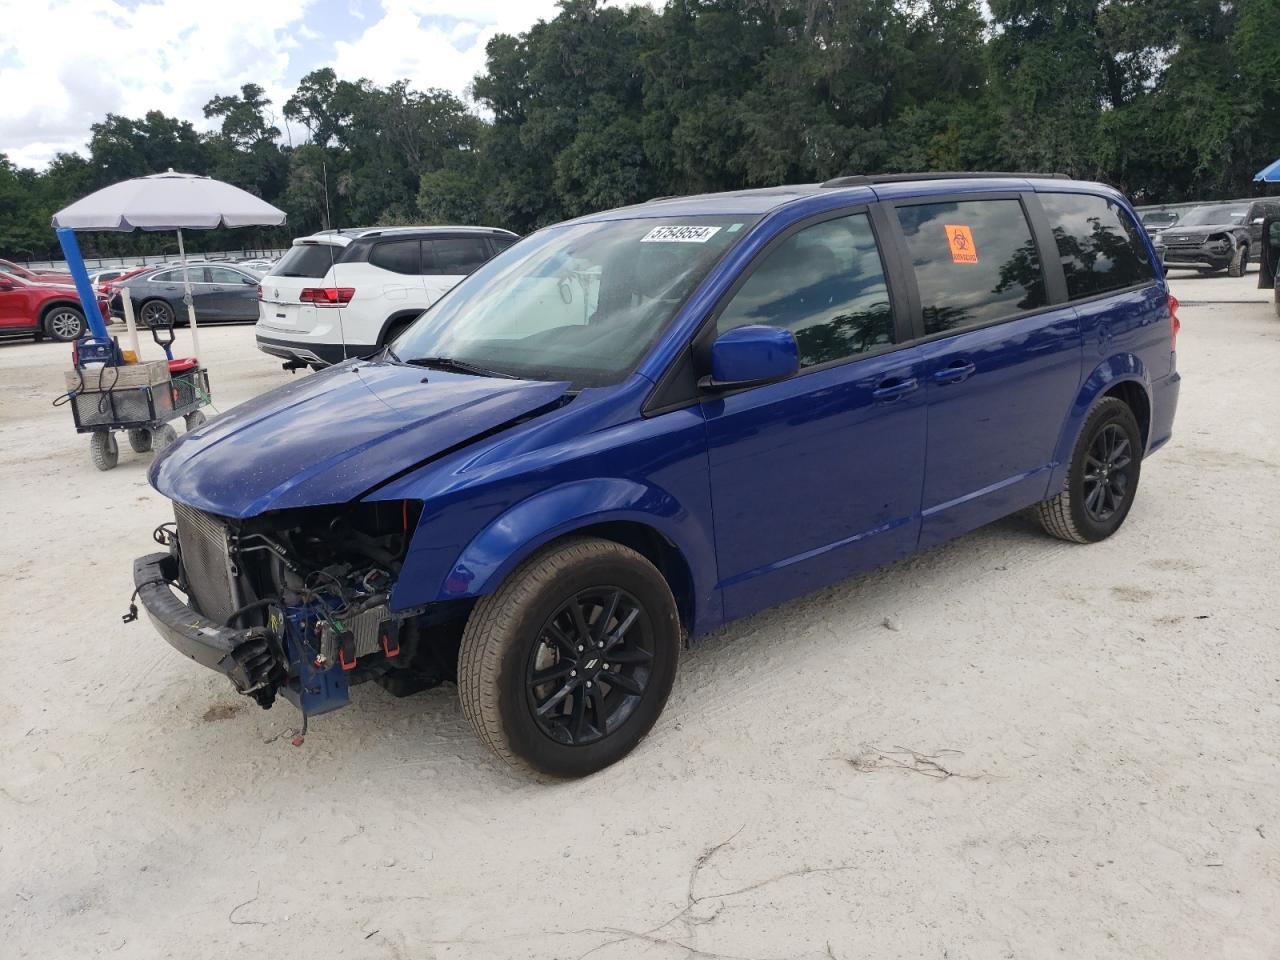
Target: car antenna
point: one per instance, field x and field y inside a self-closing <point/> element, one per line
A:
<point x="333" y="263"/>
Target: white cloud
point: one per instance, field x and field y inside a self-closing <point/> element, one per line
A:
<point x="445" y="53"/>
<point x="70" y="62"/>
<point x="66" y="64"/>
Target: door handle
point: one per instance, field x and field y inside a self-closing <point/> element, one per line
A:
<point x="956" y="372"/>
<point x="895" y="387"/>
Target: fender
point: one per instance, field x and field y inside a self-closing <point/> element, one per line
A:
<point x="515" y="535"/>
<point x="1117" y="368"/>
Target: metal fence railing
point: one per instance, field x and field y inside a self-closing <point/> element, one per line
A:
<point x="142" y="260"/>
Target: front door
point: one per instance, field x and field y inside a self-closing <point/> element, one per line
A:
<point x="819" y="475"/>
<point x="1003" y="368"/>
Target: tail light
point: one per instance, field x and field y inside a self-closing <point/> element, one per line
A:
<point x="327" y="296"/>
<point x="259" y="288"/>
<point x="1174" y="323"/>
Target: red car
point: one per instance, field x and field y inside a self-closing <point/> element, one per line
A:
<point x="35" y="276"/>
<point x="40" y="309"/>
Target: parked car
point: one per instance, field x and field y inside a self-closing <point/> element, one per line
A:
<point x="1259" y="211"/>
<point x="40" y="309"/>
<point x="634" y="427"/>
<point x="220" y="292"/>
<point x="35" y="276"/>
<point x="1210" y="238"/>
<point x="340" y="294"/>
<point x="1157" y="220"/>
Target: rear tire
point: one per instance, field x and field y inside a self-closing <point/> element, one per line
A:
<point x="194" y="419"/>
<point x="1101" y="480"/>
<point x="140" y="440"/>
<point x="155" y="313"/>
<point x="1239" y="264"/>
<point x="103" y="450"/>
<point x="564" y="615"/>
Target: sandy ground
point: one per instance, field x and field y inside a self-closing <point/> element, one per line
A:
<point x="1096" y="737"/>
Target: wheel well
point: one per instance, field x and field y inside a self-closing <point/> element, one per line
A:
<point x="404" y="316"/>
<point x="659" y="551"/>
<point x="1136" y="399"/>
<point x="48" y="308"/>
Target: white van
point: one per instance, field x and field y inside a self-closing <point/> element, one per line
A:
<point x="346" y="293"/>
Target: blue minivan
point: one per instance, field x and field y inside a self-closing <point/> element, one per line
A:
<point x="629" y="429"/>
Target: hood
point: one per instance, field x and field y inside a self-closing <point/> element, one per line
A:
<point x="1198" y="232"/>
<point x="335" y="435"/>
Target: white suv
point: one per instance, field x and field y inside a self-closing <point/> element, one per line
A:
<point x="345" y="293"/>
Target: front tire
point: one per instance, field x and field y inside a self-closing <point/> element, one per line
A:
<point x="65" y="323"/>
<point x="162" y="437"/>
<point x="567" y="665"/>
<point x="1239" y="264"/>
<point x="103" y="450"/>
<point x="1102" y="479"/>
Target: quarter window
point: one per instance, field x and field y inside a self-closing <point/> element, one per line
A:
<point x="398" y="256"/>
<point x="826" y="285"/>
<point x="453" y="256"/>
<point x="224" y="275"/>
<point x="975" y="262"/>
<point x="1097" y="243"/>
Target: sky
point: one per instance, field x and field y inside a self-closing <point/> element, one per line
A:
<point x="66" y="64"/>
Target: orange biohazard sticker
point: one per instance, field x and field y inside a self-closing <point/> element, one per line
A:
<point x="960" y="239"/>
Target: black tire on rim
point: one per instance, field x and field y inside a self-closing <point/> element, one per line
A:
<point x="140" y="440"/>
<point x="155" y="313"/>
<point x="566" y="666"/>
<point x="1239" y="264"/>
<point x="162" y="437"/>
<point x="65" y="323"/>
<point x="103" y="450"/>
<point x="194" y="419"/>
<point x="1102" y="479"/>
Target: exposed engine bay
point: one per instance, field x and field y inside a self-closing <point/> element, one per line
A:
<point x="309" y="589"/>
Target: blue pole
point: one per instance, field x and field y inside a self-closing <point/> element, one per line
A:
<point x="88" y="300"/>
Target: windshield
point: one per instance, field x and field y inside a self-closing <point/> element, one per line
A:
<point x="580" y="302"/>
<point x="1212" y="216"/>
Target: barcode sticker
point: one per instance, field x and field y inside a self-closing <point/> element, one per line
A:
<point x="679" y="234"/>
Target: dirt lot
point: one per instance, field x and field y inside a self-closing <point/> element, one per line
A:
<point x="1006" y="747"/>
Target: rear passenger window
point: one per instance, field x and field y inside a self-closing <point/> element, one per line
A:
<point x="1097" y="242"/>
<point x="453" y="256"/>
<point x="826" y="285"/>
<point x="975" y="262"/>
<point x="398" y="256"/>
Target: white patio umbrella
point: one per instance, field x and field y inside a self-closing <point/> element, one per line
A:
<point x="170" y="201"/>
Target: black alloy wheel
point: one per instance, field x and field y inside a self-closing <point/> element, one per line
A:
<point x="1107" y="473"/>
<point x="1102" y="478"/>
<point x="590" y="666"/>
<point x="566" y="666"/>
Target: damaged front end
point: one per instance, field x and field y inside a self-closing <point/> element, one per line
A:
<point x="296" y="602"/>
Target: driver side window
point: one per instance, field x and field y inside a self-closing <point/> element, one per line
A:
<point x="826" y="285"/>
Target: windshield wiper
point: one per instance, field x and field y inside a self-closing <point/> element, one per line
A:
<point x="458" y="366"/>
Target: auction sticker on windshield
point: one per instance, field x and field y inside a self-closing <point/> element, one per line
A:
<point x="679" y="234"/>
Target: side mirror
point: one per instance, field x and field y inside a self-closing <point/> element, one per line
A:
<point x="750" y="355"/>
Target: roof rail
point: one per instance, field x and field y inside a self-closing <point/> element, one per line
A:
<point x="862" y="180"/>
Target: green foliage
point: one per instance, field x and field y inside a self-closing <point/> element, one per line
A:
<point x="602" y="106"/>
